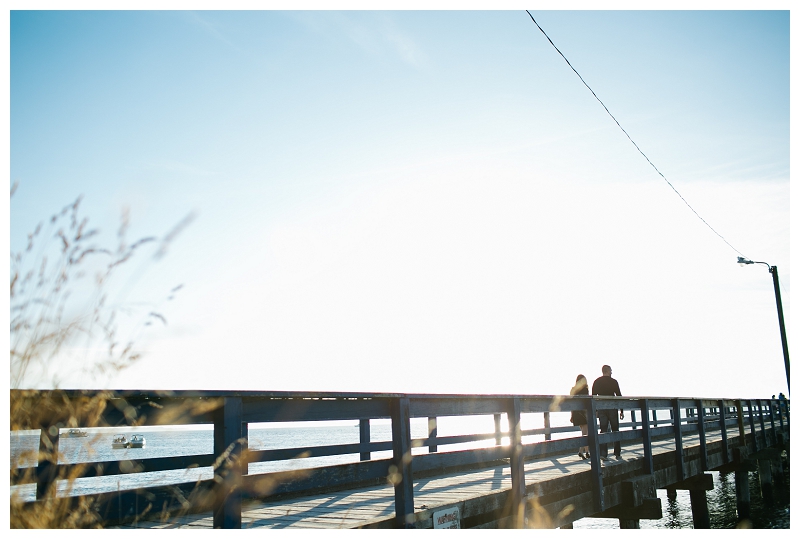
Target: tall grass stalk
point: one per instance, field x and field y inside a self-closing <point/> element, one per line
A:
<point x="59" y="299"/>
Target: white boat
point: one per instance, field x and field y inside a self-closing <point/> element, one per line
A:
<point x="76" y="433"/>
<point x="119" y="442"/>
<point x="137" y="441"/>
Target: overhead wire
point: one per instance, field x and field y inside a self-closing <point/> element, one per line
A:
<point x="629" y="137"/>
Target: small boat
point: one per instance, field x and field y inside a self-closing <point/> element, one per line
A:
<point x="137" y="441"/>
<point x="119" y="442"/>
<point x="76" y="433"/>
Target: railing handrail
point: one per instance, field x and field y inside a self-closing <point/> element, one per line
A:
<point x="566" y="402"/>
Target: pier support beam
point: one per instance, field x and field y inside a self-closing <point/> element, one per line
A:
<point x="778" y="474"/>
<point x="765" y="478"/>
<point x="629" y="517"/>
<point x="697" y="487"/>
<point x="742" y="494"/>
<point x="639" y="501"/>
<point x="700" y="517"/>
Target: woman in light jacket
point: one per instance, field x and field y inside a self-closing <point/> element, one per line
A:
<point x="578" y="418"/>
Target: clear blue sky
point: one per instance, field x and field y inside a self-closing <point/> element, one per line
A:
<point x="424" y="201"/>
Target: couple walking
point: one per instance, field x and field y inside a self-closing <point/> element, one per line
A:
<point x="605" y="385"/>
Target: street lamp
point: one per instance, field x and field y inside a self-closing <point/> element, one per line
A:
<point x="774" y="271"/>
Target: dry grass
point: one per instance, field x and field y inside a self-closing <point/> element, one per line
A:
<point x="59" y="302"/>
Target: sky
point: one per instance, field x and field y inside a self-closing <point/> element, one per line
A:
<point x="421" y="201"/>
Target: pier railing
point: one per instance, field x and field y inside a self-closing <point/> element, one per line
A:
<point x="758" y="420"/>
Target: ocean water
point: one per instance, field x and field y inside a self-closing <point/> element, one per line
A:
<point x="163" y="442"/>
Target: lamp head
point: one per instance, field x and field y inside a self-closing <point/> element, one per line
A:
<point x="742" y="261"/>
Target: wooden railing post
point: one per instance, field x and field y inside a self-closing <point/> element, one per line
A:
<point x="786" y="406"/>
<point x="433" y="432"/>
<point x="676" y="423"/>
<point x="364" y="438"/>
<point x="740" y="418"/>
<point x="646" y="439"/>
<point x="772" y="404"/>
<point x="752" y="422"/>
<point x="498" y="432"/>
<point x="548" y="435"/>
<point x="784" y="414"/>
<point x="701" y="431"/>
<point x="47" y="467"/>
<point x="230" y="435"/>
<point x="772" y="422"/>
<point x="245" y="444"/>
<point x="517" y="464"/>
<point x="761" y="422"/>
<point x="401" y="474"/>
<point x="723" y="431"/>
<point x="52" y="415"/>
<point x="594" y="455"/>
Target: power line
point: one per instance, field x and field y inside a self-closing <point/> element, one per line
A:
<point x="629" y="137"/>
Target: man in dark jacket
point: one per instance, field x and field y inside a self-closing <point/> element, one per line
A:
<point x="605" y="385"/>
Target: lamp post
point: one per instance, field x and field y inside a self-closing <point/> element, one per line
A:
<point x="774" y="271"/>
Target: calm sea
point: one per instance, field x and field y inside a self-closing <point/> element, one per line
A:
<point x="162" y="442"/>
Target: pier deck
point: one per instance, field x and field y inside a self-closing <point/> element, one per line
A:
<point x="474" y="492"/>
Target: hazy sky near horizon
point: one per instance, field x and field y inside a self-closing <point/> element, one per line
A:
<point x="423" y="201"/>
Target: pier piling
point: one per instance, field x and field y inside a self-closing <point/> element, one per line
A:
<point x="742" y="494"/>
<point x="765" y="478"/>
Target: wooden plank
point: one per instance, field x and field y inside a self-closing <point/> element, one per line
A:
<point x="268" y="455"/>
<point x="449" y="406"/>
<point x="314" y="409"/>
<point x="121" y="467"/>
<point x="328" y="477"/>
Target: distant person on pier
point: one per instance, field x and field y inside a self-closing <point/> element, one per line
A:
<point x="605" y="385"/>
<point x="578" y="417"/>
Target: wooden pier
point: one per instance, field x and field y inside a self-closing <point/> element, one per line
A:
<point x="535" y="484"/>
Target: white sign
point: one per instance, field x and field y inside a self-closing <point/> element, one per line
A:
<point x="447" y="518"/>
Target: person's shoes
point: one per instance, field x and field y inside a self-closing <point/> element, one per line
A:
<point x="619" y="457"/>
<point x="604" y="459"/>
<point x="584" y="456"/>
